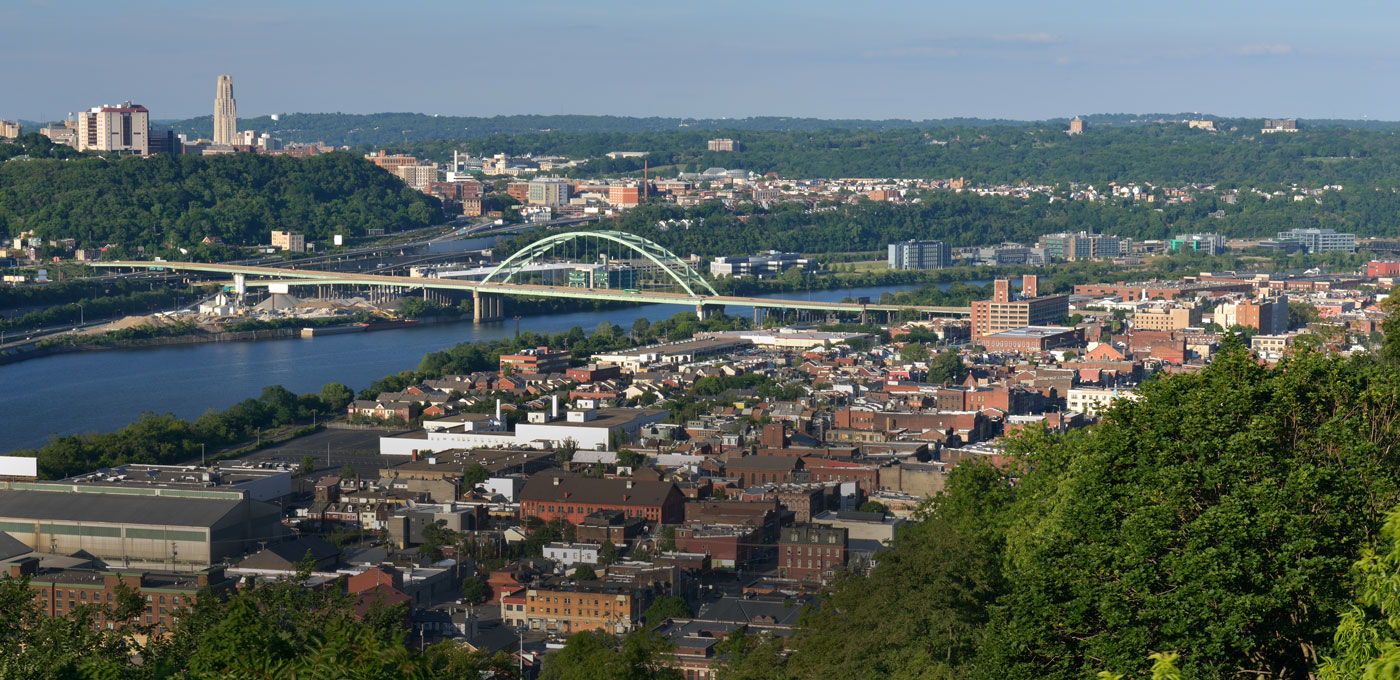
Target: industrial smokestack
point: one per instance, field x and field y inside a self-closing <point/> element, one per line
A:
<point x="498" y="409"/>
<point x="554" y="408"/>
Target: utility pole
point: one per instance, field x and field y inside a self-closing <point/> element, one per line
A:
<point x="202" y="462"/>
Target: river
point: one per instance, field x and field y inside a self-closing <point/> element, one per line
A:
<point x="104" y="391"/>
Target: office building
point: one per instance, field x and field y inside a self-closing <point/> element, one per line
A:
<point x="919" y="255"/>
<point x="1080" y="246"/>
<point x="391" y="162"/>
<point x="225" y="113"/>
<point x="1076" y="126"/>
<point x="551" y="192"/>
<point x="1167" y="318"/>
<point x="1319" y="240"/>
<point x="567" y="608"/>
<point x="766" y="264"/>
<point x="122" y="129"/>
<point x="65" y="133"/>
<point x="1001" y="313"/>
<point x="723" y="145"/>
<point x="1210" y="244"/>
<point x="624" y="195"/>
<point x="9" y="129"/>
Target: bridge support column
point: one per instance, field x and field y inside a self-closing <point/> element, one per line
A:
<point x="476" y="306"/>
<point x="705" y="311"/>
<point x="487" y="307"/>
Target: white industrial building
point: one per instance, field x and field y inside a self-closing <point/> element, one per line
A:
<point x="569" y="554"/>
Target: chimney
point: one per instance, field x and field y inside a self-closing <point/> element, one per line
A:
<point x="1029" y="286"/>
<point x="1001" y="291"/>
<point x="498" y="410"/>
<point x="554" y="408"/>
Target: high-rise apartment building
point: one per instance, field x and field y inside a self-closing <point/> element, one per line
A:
<point x="225" y="113"/>
<point x="419" y="177"/>
<point x="548" y="192"/>
<point x="919" y="255"/>
<point x="723" y="145"/>
<point x="1268" y="315"/>
<point x="124" y="128"/>
<point x="9" y="129"/>
<point x="1001" y="313"/>
<point x="1076" y="126"/>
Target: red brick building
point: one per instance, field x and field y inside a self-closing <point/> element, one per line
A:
<point x="574" y="498"/>
<point x="537" y="360"/>
<point x="59" y="591"/>
<point x="812" y="552"/>
<point x="1001" y="313"/>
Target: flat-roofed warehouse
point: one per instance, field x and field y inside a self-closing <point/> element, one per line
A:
<point x="137" y="527"/>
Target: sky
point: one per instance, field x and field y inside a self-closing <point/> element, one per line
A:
<point x="718" y="58"/>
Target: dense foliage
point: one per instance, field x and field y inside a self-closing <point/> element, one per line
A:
<point x="1215" y="518"/>
<point x="34" y="145"/>
<point x="284" y="630"/>
<point x="171" y="201"/>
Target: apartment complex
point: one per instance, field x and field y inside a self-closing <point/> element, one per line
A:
<point x="1079" y="246"/>
<point x="1167" y="318"/>
<point x="723" y="145"/>
<point x="1268" y="315"/>
<point x="1001" y="313"/>
<point x="919" y="255"/>
<point x="124" y="129"/>
<point x="1320" y="240"/>
<point x="1280" y="125"/>
<point x="59" y="592"/>
<point x="9" y="129"/>
<point x="419" y="177"/>
<point x="812" y="552"/>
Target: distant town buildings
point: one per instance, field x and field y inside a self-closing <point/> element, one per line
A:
<point x="723" y="145"/>
<point x="225" y="113"/>
<point x="919" y="255"/>
<point x="1280" y="125"/>
<point x="1208" y="125"/>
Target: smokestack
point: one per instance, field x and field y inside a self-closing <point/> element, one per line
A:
<point x="554" y="408"/>
<point x="498" y="409"/>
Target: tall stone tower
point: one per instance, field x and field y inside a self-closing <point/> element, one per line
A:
<point x="225" y="113"/>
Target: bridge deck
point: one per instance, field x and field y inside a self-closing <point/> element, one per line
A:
<point x="311" y="277"/>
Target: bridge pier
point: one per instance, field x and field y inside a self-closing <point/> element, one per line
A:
<point x="704" y="311"/>
<point x="486" y="307"/>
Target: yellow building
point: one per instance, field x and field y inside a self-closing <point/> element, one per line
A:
<point x="567" y="609"/>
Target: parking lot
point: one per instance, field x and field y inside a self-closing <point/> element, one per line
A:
<point x="332" y="450"/>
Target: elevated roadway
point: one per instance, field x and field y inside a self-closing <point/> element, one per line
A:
<point x="311" y="277"/>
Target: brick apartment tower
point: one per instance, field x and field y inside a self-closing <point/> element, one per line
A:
<point x="225" y="113"/>
<point x="1029" y="286"/>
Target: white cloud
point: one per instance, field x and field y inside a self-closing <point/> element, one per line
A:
<point x="908" y="52"/>
<point x="1263" y="49"/>
<point x="1028" y="38"/>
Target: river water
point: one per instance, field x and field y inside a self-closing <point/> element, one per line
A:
<point x="104" y="391"/>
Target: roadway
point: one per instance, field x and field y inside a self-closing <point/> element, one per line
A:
<point x="293" y="277"/>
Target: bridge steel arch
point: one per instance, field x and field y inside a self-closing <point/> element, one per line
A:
<point x="682" y="273"/>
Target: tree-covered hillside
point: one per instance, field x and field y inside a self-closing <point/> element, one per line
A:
<point x="170" y="201"/>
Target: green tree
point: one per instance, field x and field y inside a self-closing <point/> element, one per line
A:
<point x="947" y="367"/>
<point x="336" y="396"/>
<point x="584" y="572"/>
<point x="475" y="590"/>
<point x="592" y="655"/>
<point x="667" y="607"/>
<point x="1367" y="639"/>
<point x="751" y="656"/>
<point x="475" y="475"/>
<point x="308" y="464"/>
<point x="874" y="506"/>
<point x="914" y="351"/>
<point x="607" y="554"/>
<point x="347" y="472"/>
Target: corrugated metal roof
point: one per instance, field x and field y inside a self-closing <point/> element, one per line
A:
<point x="113" y="508"/>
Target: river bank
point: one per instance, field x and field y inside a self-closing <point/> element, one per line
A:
<point x="104" y="391"/>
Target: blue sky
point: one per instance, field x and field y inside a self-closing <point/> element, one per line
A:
<point x="931" y="59"/>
